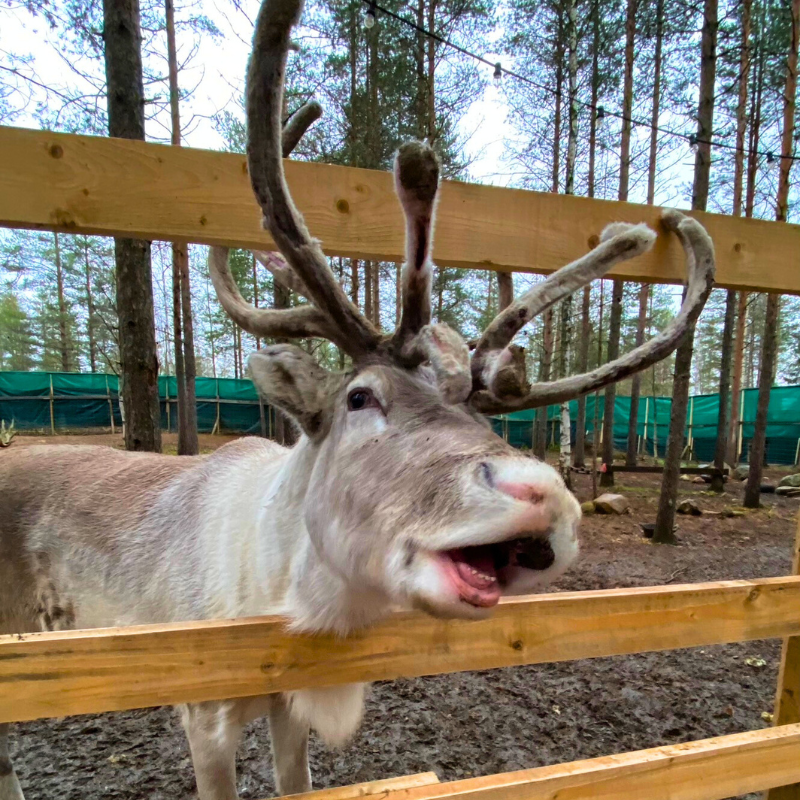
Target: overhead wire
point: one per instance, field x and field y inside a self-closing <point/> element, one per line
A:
<point x="600" y="111"/>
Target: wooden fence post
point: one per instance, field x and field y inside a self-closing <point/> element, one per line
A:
<point x="52" y="411"/>
<point x="110" y="406"/>
<point x="787" y="700"/>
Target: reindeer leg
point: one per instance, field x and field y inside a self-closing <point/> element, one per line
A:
<point x="9" y="785"/>
<point x="213" y="730"/>
<point x="289" y="737"/>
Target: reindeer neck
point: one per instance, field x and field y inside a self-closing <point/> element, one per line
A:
<point x="290" y="577"/>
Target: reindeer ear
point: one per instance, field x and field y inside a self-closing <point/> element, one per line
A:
<point x="288" y="377"/>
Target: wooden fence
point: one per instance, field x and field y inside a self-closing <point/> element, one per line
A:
<point x="96" y="185"/>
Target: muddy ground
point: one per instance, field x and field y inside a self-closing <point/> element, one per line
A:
<point x="493" y="721"/>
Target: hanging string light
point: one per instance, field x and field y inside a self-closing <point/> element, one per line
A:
<point x="499" y="71"/>
<point x="770" y="157"/>
<point x="371" y="16"/>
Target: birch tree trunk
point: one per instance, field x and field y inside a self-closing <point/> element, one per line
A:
<point x="63" y="342"/>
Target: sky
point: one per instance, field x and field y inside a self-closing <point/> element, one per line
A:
<point x="217" y="70"/>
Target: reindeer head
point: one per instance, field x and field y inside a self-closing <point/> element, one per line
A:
<point x="409" y="493"/>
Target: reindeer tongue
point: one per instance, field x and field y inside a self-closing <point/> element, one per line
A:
<point x="475" y="576"/>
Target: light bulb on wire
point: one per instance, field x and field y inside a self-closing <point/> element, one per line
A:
<point x="693" y="142"/>
<point x="600" y="115"/>
<point x="498" y="72"/>
<point x="770" y="157"/>
<point x="371" y="16"/>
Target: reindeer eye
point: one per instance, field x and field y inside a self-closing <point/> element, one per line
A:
<point x="361" y="398"/>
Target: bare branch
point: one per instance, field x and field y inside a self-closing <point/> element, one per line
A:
<point x="618" y="242"/>
<point x="700" y="268"/>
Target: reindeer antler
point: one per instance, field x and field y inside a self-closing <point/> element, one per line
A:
<point x="488" y="381"/>
<point x="265" y="77"/>
<point x="699" y="251"/>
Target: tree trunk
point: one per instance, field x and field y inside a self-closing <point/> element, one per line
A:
<point x="683" y="356"/>
<point x="614" y="324"/>
<point x="572" y="137"/>
<point x="540" y="448"/>
<point x="123" y="63"/>
<point x="665" y="519"/>
<point x="398" y="293"/>
<point x="579" y="457"/>
<point x="705" y="111"/>
<point x="559" y="89"/>
<point x="376" y="293"/>
<point x="595" y="96"/>
<point x="736" y="390"/>
<point x="596" y="420"/>
<point x="285" y="432"/>
<point x="636" y="384"/>
<point x="627" y="100"/>
<point x="255" y="289"/>
<point x="177" y="336"/>
<point x="431" y="44"/>
<point x="368" y="292"/>
<point x="188" y="443"/>
<point x="721" y="448"/>
<point x="505" y="285"/>
<point x="769" y="342"/>
<point x="63" y="343"/>
<point x="354" y="282"/>
<point x="563" y="368"/>
<point x="186" y="367"/>
<point x="732" y="455"/>
<point x="89" y="309"/>
<point x="651" y="170"/>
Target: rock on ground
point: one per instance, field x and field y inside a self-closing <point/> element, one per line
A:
<point x="791" y="480"/>
<point x="611" y="504"/>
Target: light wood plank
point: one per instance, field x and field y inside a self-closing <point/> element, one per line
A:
<point x="369" y="788"/>
<point x="56" y="674"/>
<point x="85" y="184"/>
<point x="710" y="769"/>
<point x="787" y="700"/>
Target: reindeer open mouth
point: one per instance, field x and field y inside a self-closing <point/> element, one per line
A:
<point x="481" y="572"/>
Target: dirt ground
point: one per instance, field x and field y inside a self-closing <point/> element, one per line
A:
<point x="485" y="722"/>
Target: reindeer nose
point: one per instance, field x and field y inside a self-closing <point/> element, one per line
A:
<point x="519" y="490"/>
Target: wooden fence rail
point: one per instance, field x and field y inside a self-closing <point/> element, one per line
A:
<point x="86" y="184"/>
<point x="74" y="672"/>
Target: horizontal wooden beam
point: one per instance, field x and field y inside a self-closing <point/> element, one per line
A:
<point x="84" y="184"/>
<point x="370" y="788"/>
<point x="57" y="674"/>
<point x="710" y="769"/>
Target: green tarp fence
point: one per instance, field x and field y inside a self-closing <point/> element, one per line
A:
<point x="61" y="402"/>
<point x="783" y="424"/>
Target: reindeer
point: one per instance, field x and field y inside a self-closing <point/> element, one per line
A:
<point x="397" y="495"/>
